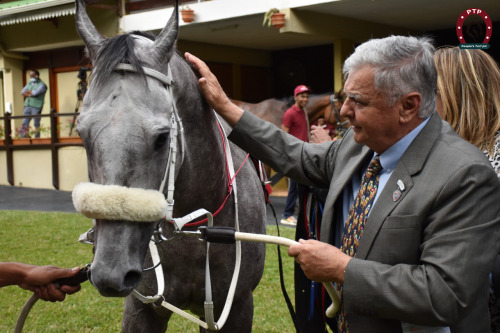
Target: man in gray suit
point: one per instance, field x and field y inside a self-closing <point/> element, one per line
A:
<point x="432" y="234"/>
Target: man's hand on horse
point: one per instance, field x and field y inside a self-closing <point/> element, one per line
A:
<point x="213" y="92"/>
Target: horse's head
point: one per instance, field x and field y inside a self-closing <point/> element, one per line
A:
<point x="125" y="121"/>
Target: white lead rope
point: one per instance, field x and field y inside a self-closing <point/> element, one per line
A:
<point x="248" y="237"/>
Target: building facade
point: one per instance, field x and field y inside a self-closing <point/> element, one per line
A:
<point x="252" y="60"/>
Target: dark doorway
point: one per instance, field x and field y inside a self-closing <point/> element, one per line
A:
<point x="312" y="66"/>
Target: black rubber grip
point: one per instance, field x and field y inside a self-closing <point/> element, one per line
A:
<point x="223" y="235"/>
<point x="81" y="276"/>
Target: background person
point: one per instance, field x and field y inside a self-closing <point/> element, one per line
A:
<point x="38" y="279"/>
<point x="34" y="93"/>
<point x="469" y="99"/>
<point x="435" y="210"/>
<point x="296" y="123"/>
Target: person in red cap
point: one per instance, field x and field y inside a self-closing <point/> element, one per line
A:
<point x="296" y="123"/>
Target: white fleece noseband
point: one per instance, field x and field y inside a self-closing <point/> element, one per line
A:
<point x="113" y="202"/>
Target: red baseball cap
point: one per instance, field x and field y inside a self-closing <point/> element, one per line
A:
<point x="300" y="89"/>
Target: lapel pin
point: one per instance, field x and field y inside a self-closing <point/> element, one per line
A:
<point x="401" y="185"/>
<point x="397" y="193"/>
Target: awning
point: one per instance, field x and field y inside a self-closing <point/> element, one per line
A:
<point x="34" y="10"/>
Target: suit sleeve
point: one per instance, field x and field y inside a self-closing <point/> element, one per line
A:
<point x="460" y="234"/>
<point x="306" y="163"/>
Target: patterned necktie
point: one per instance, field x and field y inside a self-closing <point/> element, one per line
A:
<point x="355" y="222"/>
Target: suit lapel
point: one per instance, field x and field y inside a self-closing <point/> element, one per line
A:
<point x="410" y="163"/>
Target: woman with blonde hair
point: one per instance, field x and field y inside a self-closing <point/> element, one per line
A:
<point x="468" y="98"/>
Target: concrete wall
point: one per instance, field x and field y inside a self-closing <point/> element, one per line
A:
<point x="3" y="168"/>
<point x="33" y="168"/>
<point x="72" y="167"/>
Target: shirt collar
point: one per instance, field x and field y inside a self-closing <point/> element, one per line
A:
<point x="296" y="108"/>
<point x="391" y="157"/>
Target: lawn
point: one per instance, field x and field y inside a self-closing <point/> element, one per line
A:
<point x="51" y="239"/>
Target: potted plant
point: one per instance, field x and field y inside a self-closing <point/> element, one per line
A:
<point x="20" y="136"/>
<point x="187" y="14"/>
<point x="44" y="133"/>
<point x="274" y="18"/>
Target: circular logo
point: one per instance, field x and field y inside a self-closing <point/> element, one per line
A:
<point x="474" y="11"/>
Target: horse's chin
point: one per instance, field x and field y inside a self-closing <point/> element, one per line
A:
<point x="110" y="292"/>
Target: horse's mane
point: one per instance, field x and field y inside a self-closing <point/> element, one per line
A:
<point x="115" y="50"/>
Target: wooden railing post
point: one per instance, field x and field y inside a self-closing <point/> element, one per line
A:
<point x="8" y="128"/>
<point x="55" y="156"/>
<point x="8" y="143"/>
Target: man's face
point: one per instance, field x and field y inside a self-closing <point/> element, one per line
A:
<point x="375" y="123"/>
<point x="32" y="75"/>
<point x="302" y="99"/>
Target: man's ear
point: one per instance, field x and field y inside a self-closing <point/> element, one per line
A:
<point x="410" y="106"/>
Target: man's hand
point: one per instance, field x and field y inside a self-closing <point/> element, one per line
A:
<point x="26" y="93"/>
<point x="213" y="92"/>
<point x="321" y="262"/>
<point x="319" y="134"/>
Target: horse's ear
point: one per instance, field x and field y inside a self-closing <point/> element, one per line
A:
<point x="164" y="43"/>
<point x="87" y="31"/>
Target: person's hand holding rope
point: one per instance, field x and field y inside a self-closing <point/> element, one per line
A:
<point x="38" y="279"/>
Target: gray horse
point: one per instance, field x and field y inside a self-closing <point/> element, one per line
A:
<point x="125" y="122"/>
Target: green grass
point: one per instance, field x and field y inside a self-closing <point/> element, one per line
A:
<point x="51" y="239"/>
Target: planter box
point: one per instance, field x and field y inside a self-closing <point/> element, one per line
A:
<point x="21" y="141"/>
<point x="40" y="141"/>
<point x="70" y="139"/>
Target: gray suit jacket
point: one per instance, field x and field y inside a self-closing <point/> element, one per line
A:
<point x="423" y="258"/>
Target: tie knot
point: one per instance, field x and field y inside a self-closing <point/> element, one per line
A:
<point x="374" y="166"/>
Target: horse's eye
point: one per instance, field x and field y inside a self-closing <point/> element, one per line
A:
<point x="161" y="140"/>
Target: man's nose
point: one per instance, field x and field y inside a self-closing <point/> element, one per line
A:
<point x="345" y="110"/>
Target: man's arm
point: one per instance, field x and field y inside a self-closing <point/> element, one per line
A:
<point x="41" y="89"/>
<point x="25" y="91"/>
<point x="38" y="279"/>
<point x="281" y="152"/>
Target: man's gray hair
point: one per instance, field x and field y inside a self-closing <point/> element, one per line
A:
<point x="401" y="65"/>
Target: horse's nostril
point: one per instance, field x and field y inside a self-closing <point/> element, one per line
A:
<point x="132" y="279"/>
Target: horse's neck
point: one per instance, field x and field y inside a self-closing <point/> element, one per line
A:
<point x="203" y="169"/>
